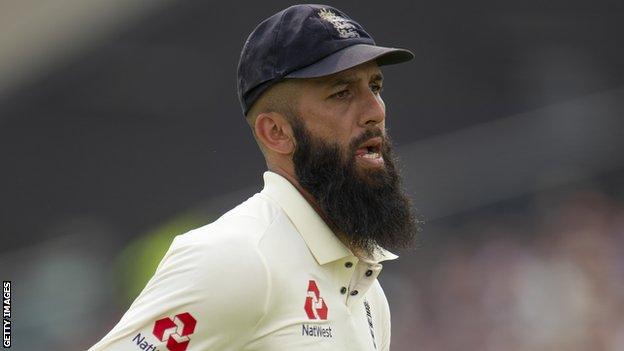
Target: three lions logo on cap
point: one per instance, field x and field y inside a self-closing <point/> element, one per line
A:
<point x="345" y="28"/>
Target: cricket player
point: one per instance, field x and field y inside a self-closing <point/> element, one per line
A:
<point x="295" y="266"/>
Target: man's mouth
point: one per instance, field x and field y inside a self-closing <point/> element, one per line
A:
<point x="369" y="152"/>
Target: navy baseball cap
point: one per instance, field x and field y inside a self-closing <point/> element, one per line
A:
<point x="305" y="41"/>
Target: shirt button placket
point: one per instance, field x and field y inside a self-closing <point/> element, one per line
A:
<point x="344" y="289"/>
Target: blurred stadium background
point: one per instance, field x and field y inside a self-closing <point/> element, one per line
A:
<point x="120" y="128"/>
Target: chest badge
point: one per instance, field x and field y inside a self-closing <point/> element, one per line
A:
<point x="315" y="306"/>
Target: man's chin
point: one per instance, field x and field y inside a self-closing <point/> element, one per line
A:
<point x="373" y="176"/>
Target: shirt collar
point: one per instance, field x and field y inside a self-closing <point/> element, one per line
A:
<point x="320" y="239"/>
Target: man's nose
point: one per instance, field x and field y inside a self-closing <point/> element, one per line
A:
<point x="373" y="109"/>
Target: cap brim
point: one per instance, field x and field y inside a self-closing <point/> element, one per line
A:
<point x="352" y="56"/>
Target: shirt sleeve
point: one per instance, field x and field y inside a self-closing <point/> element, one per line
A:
<point x="201" y="297"/>
<point x="385" y="343"/>
<point x="385" y="322"/>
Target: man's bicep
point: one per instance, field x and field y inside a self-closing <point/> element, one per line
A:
<point x="201" y="296"/>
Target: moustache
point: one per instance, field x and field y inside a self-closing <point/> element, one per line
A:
<point x="367" y="134"/>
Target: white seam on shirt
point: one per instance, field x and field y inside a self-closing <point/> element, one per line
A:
<point x="268" y="271"/>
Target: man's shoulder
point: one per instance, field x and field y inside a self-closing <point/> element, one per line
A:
<point x="202" y="272"/>
<point x="243" y="225"/>
<point x="229" y="244"/>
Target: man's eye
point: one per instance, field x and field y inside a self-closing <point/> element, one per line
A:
<point x="343" y="94"/>
<point x="375" y="88"/>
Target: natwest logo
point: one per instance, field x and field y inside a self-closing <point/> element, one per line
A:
<point x="176" y="332"/>
<point x="315" y="306"/>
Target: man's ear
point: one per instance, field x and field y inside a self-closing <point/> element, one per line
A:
<point x="274" y="132"/>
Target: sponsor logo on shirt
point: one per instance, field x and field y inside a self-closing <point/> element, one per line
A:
<point x="143" y="344"/>
<point x="175" y="331"/>
<point x="315" y="306"/>
<point x="316" y="309"/>
<point x="316" y="330"/>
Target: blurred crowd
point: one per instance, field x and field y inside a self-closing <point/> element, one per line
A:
<point x="549" y="279"/>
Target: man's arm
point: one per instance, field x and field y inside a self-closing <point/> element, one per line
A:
<point x="204" y="296"/>
<point x="384" y="344"/>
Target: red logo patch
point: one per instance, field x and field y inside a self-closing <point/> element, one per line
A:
<point x="176" y="332"/>
<point x="315" y="306"/>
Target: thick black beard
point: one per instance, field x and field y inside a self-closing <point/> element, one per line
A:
<point x="367" y="206"/>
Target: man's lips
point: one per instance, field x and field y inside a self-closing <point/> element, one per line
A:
<point x="371" y="145"/>
<point x="369" y="152"/>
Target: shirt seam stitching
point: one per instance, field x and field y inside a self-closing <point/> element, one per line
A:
<point x="268" y="274"/>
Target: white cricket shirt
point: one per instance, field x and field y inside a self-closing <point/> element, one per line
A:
<point x="268" y="275"/>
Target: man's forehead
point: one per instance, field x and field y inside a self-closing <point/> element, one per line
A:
<point x="367" y="71"/>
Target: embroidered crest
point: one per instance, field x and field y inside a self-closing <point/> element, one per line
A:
<point x="343" y="26"/>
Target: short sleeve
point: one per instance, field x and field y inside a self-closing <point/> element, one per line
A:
<point x="202" y="297"/>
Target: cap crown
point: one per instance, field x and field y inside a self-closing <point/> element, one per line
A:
<point x="290" y="40"/>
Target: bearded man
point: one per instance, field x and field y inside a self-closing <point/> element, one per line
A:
<point x="295" y="266"/>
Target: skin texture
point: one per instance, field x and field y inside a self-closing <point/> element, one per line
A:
<point x="335" y="109"/>
<point x="336" y="113"/>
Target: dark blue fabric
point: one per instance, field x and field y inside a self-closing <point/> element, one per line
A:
<point x="292" y="39"/>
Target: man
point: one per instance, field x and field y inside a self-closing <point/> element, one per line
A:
<point x="295" y="266"/>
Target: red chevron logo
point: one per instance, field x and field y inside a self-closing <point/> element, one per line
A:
<point x="315" y="306"/>
<point x="176" y="332"/>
